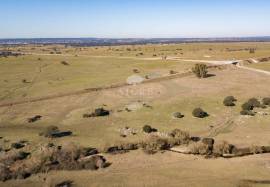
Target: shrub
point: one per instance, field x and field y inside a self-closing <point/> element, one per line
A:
<point x="266" y="101"/>
<point x="181" y="135"/>
<point x="229" y="101"/>
<point x="254" y="102"/>
<point x="200" y="70"/>
<point x="67" y="183"/>
<point x="172" y="72"/>
<point x="17" y="145"/>
<point x="177" y="115"/>
<point x="247" y="113"/>
<point x="155" y="144"/>
<point x="136" y="71"/>
<point x="199" y="148"/>
<point x="54" y="132"/>
<point x="199" y="113"/>
<point x="49" y="131"/>
<point x="223" y="148"/>
<point x="34" y="119"/>
<point x="101" y="112"/>
<point x="148" y="129"/>
<point x="65" y="63"/>
<point x="251" y="104"/>
<point x="252" y="50"/>
<point x="247" y="106"/>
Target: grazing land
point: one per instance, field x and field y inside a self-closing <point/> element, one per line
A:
<point x="63" y="86"/>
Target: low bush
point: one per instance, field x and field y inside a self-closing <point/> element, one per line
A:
<point x="177" y="115"/>
<point x="200" y="70"/>
<point x="99" y="112"/>
<point x="65" y="63"/>
<point x="229" y="101"/>
<point x="199" y="113"/>
<point x="247" y="106"/>
<point x="34" y="119"/>
<point x="148" y="129"/>
<point x="199" y="148"/>
<point x="54" y="132"/>
<point x="180" y="137"/>
<point x="223" y="148"/>
<point x="155" y="144"/>
<point x="49" y="131"/>
<point x="266" y="101"/>
<point x="254" y="102"/>
<point x="247" y="113"/>
<point x="67" y="183"/>
<point x="17" y="145"/>
<point x="136" y="71"/>
<point x="172" y="72"/>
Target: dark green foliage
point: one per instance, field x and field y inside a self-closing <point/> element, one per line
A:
<point x="200" y="70"/>
<point x="229" y="101"/>
<point x="199" y="113"/>
<point x="148" y="129"/>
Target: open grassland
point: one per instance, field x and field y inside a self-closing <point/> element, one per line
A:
<point x="38" y="75"/>
<point x="211" y="51"/>
<point x="262" y="66"/>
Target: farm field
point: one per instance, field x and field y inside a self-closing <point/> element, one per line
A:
<point x="47" y="71"/>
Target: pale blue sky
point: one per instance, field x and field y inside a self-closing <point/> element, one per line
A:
<point x="134" y="18"/>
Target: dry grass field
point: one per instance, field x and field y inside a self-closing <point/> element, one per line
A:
<point x="51" y="70"/>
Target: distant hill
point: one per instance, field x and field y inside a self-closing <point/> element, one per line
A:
<point x="126" y="41"/>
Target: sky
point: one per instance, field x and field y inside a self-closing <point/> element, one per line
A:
<point x="134" y="18"/>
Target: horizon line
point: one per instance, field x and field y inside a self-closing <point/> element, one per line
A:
<point x="219" y="37"/>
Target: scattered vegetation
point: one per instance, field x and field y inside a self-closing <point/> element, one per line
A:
<point x="248" y="106"/>
<point x="20" y="165"/>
